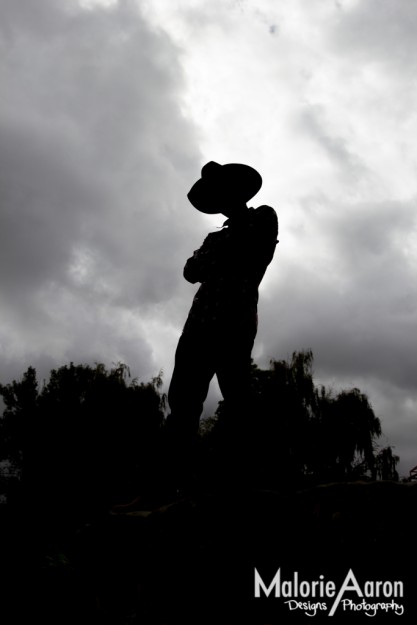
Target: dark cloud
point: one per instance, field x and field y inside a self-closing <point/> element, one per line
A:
<point x="96" y="158"/>
<point x="348" y="291"/>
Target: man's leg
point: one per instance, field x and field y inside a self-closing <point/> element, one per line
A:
<point x="194" y="368"/>
<point x="193" y="371"/>
<point x="233" y="372"/>
<point x="233" y="364"/>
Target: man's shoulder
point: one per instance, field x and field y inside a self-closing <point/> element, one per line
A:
<point x="265" y="217"/>
<point x="265" y="212"/>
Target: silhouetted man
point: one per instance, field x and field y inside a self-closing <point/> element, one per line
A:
<point x="220" y="330"/>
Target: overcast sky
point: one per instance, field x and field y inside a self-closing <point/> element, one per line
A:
<point x="108" y="112"/>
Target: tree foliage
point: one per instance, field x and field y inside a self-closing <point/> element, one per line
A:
<point x="82" y="439"/>
<point x="386" y="463"/>
<point x="88" y="436"/>
<point x="297" y="433"/>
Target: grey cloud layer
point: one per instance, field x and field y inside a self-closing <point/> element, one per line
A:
<point x="95" y="161"/>
<point x="350" y="293"/>
<point x="381" y="32"/>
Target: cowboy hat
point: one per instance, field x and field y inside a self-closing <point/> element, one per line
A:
<point x="233" y="180"/>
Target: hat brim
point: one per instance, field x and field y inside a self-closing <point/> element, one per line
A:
<point x="230" y="181"/>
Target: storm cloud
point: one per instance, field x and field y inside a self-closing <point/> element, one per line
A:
<point x="95" y="161"/>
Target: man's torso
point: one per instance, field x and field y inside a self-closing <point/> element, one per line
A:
<point x="230" y="266"/>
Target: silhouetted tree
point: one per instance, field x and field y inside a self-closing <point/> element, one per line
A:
<point x="85" y="438"/>
<point x="347" y="427"/>
<point x="21" y="401"/>
<point x="88" y="437"/>
<point x="296" y="433"/>
<point x="385" y="464"/>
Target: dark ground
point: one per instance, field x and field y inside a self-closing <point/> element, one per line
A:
<point x="194" y="561"/>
